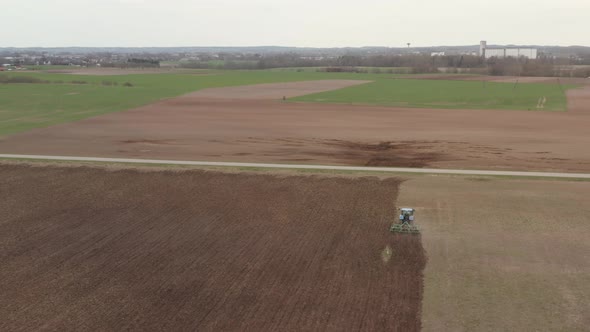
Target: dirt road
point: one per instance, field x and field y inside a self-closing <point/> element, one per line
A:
<point x="98" y="249"/>
<point x="292" y="166"/>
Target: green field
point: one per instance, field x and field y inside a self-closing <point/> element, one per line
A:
<point x="447" y="94"/>
<point x="65" y="98"/>
<point x="26" y="106"/>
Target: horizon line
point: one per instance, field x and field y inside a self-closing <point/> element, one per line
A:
<point x="282" y="46"/>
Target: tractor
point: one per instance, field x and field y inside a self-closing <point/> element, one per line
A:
<point x="406" y="222"/>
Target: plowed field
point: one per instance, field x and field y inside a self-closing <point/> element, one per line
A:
<point x="91" y="248"/>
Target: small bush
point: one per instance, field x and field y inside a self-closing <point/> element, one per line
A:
<point x="21" y="79"/>
<point x="79" y="82"/>
<point x="423" y="69"/>
<point x="127" y="84"/>
<point x="344" y="70"/>
<point x="109" y="83"/>
<point x="335" y="70"/>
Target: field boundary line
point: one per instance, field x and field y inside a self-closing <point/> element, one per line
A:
<point x="310" y="167"/>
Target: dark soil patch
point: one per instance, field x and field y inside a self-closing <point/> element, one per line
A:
<point x="150" y="141"/>
<point x="396" y="154"/>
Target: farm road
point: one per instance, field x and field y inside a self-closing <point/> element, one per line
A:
<point x="294" y="166"/>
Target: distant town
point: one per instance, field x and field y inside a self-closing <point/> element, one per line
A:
<point x="470" y="58"/>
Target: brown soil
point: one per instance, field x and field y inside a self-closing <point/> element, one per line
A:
<point x="95" y="249"/>
<point x="503" y="254"/>
<point x="193" y="127"/>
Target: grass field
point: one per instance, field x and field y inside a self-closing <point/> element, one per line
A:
<point x="27" y="106"/>
<point x="447" y="94"/>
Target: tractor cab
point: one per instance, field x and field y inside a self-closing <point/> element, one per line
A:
<point x="406" y="215"/>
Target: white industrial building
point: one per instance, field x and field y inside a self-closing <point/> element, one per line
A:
<point x="505" y="52"/>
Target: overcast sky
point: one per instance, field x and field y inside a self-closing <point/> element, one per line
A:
<point x="315" y="23"/>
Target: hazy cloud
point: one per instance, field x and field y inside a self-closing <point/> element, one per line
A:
<point x="292" y="22"/>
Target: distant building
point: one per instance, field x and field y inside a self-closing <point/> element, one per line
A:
<point x="505" y="52"/>
<point x="437" y="54"/>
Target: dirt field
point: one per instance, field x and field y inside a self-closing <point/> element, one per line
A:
<point x="503" y="255"/>
<point x="195" y="127"/>
<point x="95" y="249"/>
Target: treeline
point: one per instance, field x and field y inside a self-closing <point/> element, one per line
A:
<point x="132" y="63"/>
<point x="420" y="63"/>
<point x="415" y="63"/>
<point x="35" y="80"/>
<point x="142" y="63"/>
<point x="223" y="64"/>
<point x="538" y="67"/>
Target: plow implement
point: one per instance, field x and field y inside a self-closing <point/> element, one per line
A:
<point x="404" y="228"/>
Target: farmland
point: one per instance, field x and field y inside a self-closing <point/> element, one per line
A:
<point x="64" y="99"/>
<point x="146" y="248"/>
<point x="113" y="249"/>
<point x="448" y="94"/>
<point x="149" y="248"/>
<point x="88" y="93"/>
<point x="503" y="254"/>
<point x="252" y="123"/>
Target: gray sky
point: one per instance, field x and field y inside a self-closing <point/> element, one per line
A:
<point x="315" y="23"/>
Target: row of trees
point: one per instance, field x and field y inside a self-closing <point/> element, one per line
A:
<point x="411" y="64"/>
<point x="538" y="67"/>
<point x="141" y="63"/>
<point x="288" y="60"/>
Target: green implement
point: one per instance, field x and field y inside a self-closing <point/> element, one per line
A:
<point x="404" y="227"/>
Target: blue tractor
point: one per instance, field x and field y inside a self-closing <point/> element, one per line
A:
<point x="406" y="222"/>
